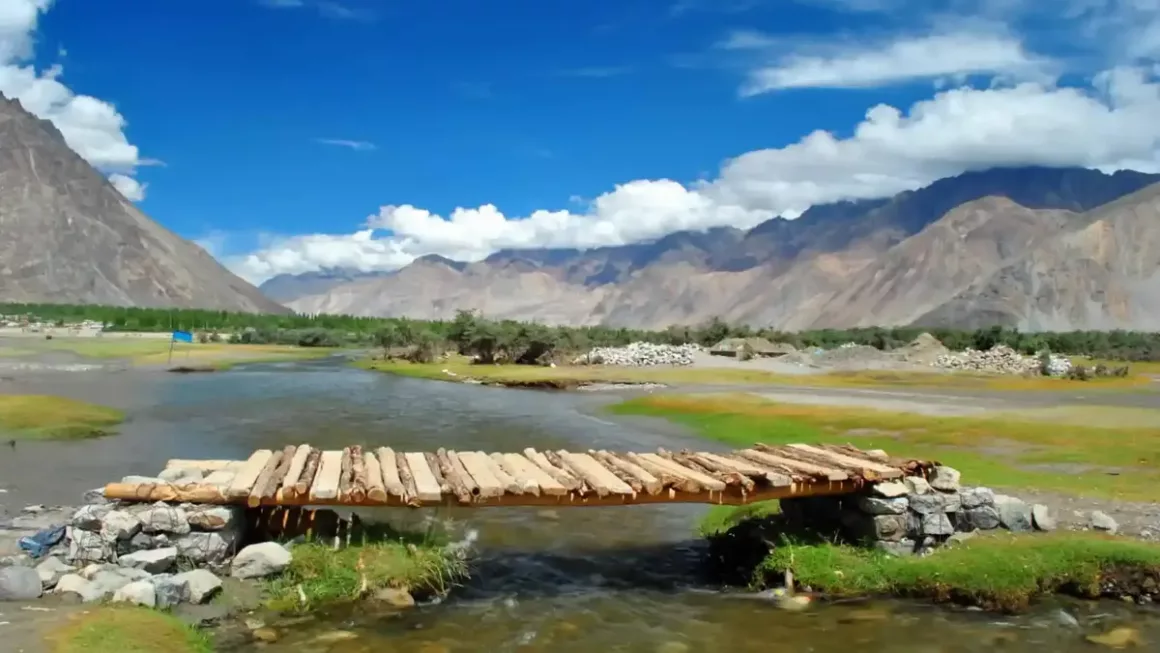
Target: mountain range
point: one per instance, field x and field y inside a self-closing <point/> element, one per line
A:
<point x="69" y="237"/>
<point x="1036" y="248"/>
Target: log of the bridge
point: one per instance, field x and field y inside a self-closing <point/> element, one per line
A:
<point x="358" y="475"/>
<point x="455" y="479"/>
<point x="459" y="472"/>
<point x="686" y="461"/>
<point x="670" y="479"/>
<point x="799" y="466"/>
<point x="270" y="478"/>
<point x="309" y="472"/>
<point x="642" y="477"/>
<point x="344" y="476"/>
<point x="532" y="472"/>
<point x="427" y="488"/>
<point x="376" y="489"/>
<point x="243" y="483"/>
<point x="297" y="464"/>
<point x="733" y="476"/>
<point x="410" y="490"/>
<point x="326" y="481"/>
<point x="221" y="478"/>
<point x="817" y="457"/>
<point x="750" y="469"/>
<point x="561" y="476"/>
<point x="628" y="479"/>
<point x="194" y="493"/>
<point x="595" y="474"/>
<point x="708" y="482"/>
<point x="433" y="463"/>
<point x="527" y="484"/>
<point x="869" y="468"/>
<point x="391" y="481"/>
<point x="506" y="480"/>
<point x="554" y="461"/>
<point x="477" y="466"/>
<point x="204" y="466"/>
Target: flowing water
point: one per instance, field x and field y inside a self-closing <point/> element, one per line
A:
<point x="597" y="579"/>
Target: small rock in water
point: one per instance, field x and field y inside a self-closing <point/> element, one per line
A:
<point x="268" y="635"/>
<point x="260" y="560"/>
<point x="20" y="584"/>
<point x="946" y="479"/>
<point x="395" y="597"/>
<point x="1121" y="637"/>
<point x="334" y="636"/>
<point x="1064" y="618"/>
<point x="1102" y="522"/>
<point x="1042" y="518"/>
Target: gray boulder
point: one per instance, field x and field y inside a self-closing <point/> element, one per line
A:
<point x="94" y="497"/>
<point x="169" y="590"/>
<point x="880" y="506"/>
<point x="936" y="524"/>
<point x="1042" y="518"/>
<point x="163" y="518"/>
<point x="916" y="484"/>
<point x="1014" y="514"/>
<point x="51" y="570"/>
<point x="144" y="542"/>
<point x="154" y="561"/>
<point x="120" y="525"/>
<point x="215" y="518"/>
<point x="202" y="584"/>
<point x="260" y="560"/>
<point x="139" y="592"/>
<point x="976" y="497"/>
<point x="20" y="584"/>
<point x="181" y="475"/>
<point x="89" y="517"/>
<point x="890" y="489"/>
<point x="929" y="503"/>
<point x="77" y="585"/>
<point x="205" y="548"/>
<point x="946" y="479"/>
<point x="87" y="546"/>
<point x="983" y="518"/>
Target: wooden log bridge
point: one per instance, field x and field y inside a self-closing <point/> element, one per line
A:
<point x="305" y="476"/>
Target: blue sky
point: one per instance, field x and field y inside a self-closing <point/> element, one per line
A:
<point x="286" y="135"/>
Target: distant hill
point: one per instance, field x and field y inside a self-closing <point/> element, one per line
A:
<point x="70" y="237"/>
<point x="927" y="255"/>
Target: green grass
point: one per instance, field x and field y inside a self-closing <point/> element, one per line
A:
<point x="48" y="417"/>
<point x="720" y="519"/>
<point x="568" y="376"/>
<point x="999" y="571"/>
<point x="327" y="576"/>
<point x="126" y="630"/>
<point x="155" y="351"/>
<point x="997" y="451"/>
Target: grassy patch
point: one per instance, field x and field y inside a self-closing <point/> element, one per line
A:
<point x="565" y="376"/>
<point x="155" y="351"/>
<point x="328" y="576"/>
<point x="999" y="571"/>
<point x="720" y="519"/>
<point x="998" y="450"/>
<point x="126" y="630"/>
<point x="50" y="417"/>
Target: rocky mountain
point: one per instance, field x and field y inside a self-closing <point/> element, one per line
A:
<point x="912" y="257"/>
<point x="70" y="237"/>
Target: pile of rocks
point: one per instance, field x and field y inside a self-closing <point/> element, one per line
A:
<point x="157" y="555"/>
<point x="641" y="354"/>
<point x="916" y="515"/>
<point x="1001" y="359"/>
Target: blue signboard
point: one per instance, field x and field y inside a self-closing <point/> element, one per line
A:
<point x="182" y="336"/>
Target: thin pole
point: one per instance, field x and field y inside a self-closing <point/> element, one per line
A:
<point x="170" y="362"/>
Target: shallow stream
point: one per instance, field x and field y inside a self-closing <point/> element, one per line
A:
<point x="592" y="580"/>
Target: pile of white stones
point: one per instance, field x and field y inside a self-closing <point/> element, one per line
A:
<point x="915" y="516"/>
<point x="157" y="555"/>
<point x="640" y="354"/>
<point x="1001" y="359"/>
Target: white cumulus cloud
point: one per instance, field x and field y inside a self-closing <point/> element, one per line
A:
<point x="91" y="127"/>
<point x="133" y="190"/>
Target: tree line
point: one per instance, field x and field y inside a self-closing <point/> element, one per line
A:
<point x="512" y="340"/>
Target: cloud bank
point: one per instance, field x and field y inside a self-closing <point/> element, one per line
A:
<point x="92" y="128"/>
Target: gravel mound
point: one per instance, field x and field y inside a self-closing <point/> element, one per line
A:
<point x="641" y="354"/>
<point x="1001" y="359"/>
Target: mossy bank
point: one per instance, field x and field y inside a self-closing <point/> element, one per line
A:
<point x="48" y="417"/>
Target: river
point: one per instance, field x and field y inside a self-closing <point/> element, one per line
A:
<point x="599" y="579"/>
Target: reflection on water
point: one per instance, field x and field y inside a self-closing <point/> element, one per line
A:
<point x="597" y="579"/>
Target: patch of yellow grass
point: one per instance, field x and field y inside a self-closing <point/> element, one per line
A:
<point x="575" y="374"/>
<point x="1070" y="456"/>
<point x="51" y="417"/>
<point x="126" y="630"/>
<point x="155" y="351"/>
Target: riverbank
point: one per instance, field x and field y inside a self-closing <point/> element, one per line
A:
<point x="729" y="372"/>
<point x="154" y="352"/>
<point x="47" y="417"/>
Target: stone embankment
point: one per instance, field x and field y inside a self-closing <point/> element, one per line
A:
<point x="157" y="555"/>
<point x="641" y="354"/>
<point x="1002" y="359"/>
<point x="916" y="516"/>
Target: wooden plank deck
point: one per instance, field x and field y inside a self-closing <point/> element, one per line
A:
<point x="305" y="476"/>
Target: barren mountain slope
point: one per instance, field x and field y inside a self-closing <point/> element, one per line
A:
<point x="1102" y="274"/>
<point x="70" y="237"/>
<point x="434" y="290"/>
<point x="928" y="269"/>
